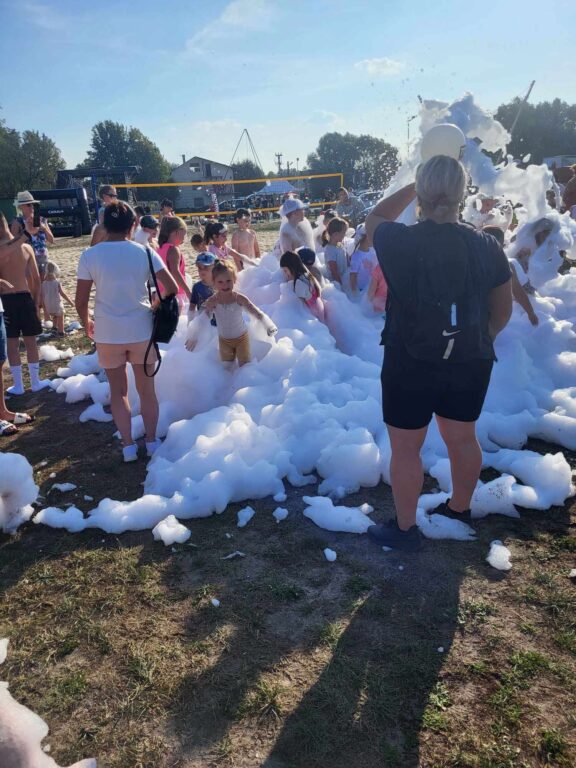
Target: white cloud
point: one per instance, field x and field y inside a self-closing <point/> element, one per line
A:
<point x="384" y="67"/>
<point x="44" y="17"/>
<point x="237" y="18"/>
<point x="324" y="117"/>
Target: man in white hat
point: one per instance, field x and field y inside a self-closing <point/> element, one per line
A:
<point x="39" y="236"/>
<point x="297" y="231"/>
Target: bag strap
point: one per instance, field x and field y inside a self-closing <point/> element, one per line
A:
<point x="151" y="344"/>
<point x="153" y="274"/>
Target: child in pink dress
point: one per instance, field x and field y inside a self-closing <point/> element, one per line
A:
<point x="172" y="234"/>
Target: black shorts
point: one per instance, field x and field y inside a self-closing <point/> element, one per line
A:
<point x="20" y="315"/>
<point x="413" y="390"/>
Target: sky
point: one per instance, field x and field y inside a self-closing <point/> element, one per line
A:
<point x="192" y="75"/>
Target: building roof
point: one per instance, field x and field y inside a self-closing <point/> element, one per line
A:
<point x="205" y="159"/>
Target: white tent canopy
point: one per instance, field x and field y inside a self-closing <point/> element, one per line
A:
<point x="276" y="187"/>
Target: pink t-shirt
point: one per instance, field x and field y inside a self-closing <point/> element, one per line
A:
<point x="381" y="292"/>
<point x="163" y="251"/>
<point x="223" y="254"/>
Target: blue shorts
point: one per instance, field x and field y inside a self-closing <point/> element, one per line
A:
<point x="2" y="339"/>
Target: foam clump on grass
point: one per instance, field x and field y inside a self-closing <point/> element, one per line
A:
<point x="22" y="732"/>
<point x="170" y="531"/>
<point x="17" y="491"/>
<point x="50" y="354"/>
<point x="324" y="514"/>
<point x="499" y="556"/>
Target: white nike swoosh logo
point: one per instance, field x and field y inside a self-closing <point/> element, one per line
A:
<point x="446" y="333"/>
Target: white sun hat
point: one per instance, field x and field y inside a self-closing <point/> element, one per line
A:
<point x="24" y="198"/>
<point x="291" y="205"/>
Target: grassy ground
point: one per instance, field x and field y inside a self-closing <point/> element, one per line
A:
<point x="305" y="663"/>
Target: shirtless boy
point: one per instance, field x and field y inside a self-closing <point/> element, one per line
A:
<point x="21" y="303"/>
<point x="243" y="238"/>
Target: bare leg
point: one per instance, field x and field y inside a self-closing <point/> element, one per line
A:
<point x="406" y="472"/>
<point x="58" y="321"/>
<point x="31" y="349"/>
<point x="13" y="351"/>
<point x="119" y="403"/>
<point x="4" y="412"/>
<point x="465" y="459"/>
<point x="148" y="401"/>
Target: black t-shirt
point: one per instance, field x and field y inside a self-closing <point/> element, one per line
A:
<point x="397" y="247"/>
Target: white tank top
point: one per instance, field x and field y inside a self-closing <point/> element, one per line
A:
<point x="230" y="320"/>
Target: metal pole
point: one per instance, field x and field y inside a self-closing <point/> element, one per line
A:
<point x="521" y="107"/>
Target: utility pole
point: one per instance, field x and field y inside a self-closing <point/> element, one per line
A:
<point x="279" y="162"/>
<point x="297" y="161"/>
<point x="288" y="164"/>
<point x="521" y="107"/>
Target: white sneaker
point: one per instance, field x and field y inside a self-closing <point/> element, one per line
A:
<point x="152" y="447"/>
<point x="130" y="453"/>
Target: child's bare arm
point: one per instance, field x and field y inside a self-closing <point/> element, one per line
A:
<point x="65" y="295"/>
<point x="245" y="302"/>
<point x="521" y="297"/>
<point x="173" y="260"/>
<point x="371" y="288"/>
<point x="256" y="245"/>
<point x="234" y="241"/>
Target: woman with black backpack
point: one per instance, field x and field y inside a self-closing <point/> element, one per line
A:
<point x="449" y="295"/>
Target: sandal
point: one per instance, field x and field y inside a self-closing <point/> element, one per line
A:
<point x="7" y="429"/>
<point x="22" y="418"/>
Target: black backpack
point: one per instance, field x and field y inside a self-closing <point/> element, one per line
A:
<point x="445" y="315"/>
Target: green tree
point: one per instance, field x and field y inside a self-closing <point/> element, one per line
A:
<point x="114" y="144"/>
<point x="247" y="169"/>
<point x="543" y="130"/>
<point x="40" y="161"/>
<point x="27" y="161"/>
<point x="364" y="160"/>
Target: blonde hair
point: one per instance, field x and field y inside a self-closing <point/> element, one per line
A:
<point x="52" y="269"/>
<point x="440" y="185"/>
<point x="169" y="225"/>
<point x="221" y="267"/>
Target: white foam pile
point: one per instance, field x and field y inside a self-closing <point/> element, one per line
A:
<point x="17" y="491"/>
<point x="310" y="400"/>
<point x="170" y="531"/>
<point x="22" y="732"/>
<point x="49" y="353"/>
<point x="499" y="556"/>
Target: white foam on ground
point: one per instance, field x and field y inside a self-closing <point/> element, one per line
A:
<point x="310" y="400"/>
<point x="170" y="531"/>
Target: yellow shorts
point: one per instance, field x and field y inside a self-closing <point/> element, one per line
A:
<point x="235" y="348"/>
<point x="115" y="355"/>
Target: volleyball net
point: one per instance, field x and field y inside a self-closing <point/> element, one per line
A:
<point x="216" y="197"/>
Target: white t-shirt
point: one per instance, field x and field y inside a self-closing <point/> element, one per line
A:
<point x="363" y="262"/>
<point x="119" y="271"/>
<point x="303" y="288"/>
<point x="293" y="236"/>
<point x="338" y="254"/>
<point x="140" y="236"/>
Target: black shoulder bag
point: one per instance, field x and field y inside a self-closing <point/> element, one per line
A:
<point x="164" y="322"/>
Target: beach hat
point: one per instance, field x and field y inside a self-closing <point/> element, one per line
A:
<point x="148" y="222"/>
<point x="359" y="234"/>
<point x="205" y="259"/>
<point x="291" y="205"/>
<point x="24" y="198"/>
<point x="443" y="139"/>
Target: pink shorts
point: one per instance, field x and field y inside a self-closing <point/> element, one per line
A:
<point x="115" y="355"/>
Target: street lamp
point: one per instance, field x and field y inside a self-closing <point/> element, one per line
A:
<point x="297" y="161"/>
<point x="408" y="121"/>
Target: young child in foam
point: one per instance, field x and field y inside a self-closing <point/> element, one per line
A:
<point x="518" y="293"/>
<point x="226" y="305"/>
<point x="308" y="258"/>
<point x="52" y="295"/>
<point x="215" y="236"/>
<point x="244" y="239"/>
<point x="172" y="235"/>
<point x="146" y="232"/>
<point x="362" y="262"/>
<point x="334" y="253"/>
<point x="296" y="231"/>
<point x="304" y="284"/>
<point x="204" y="288"/>
<point x="321" y="223"/>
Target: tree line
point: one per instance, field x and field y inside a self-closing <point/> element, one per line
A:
<point x="31" y="160"/>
